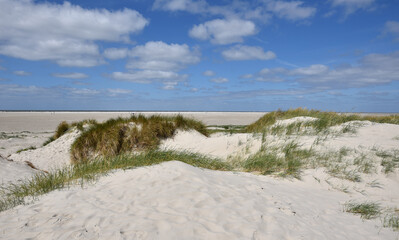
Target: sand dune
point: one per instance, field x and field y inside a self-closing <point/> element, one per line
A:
<point x="174" y="200"/>
<point x="53" y="156"/>
<point x="218" y="145"/>
<point x="177" y="201"/>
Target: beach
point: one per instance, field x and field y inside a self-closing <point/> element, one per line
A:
<point x="176" y="200"/>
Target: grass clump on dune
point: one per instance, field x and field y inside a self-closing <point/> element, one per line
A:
<point x="121" y="135"/>
<point x="371" y="210"/>
<point x="324" y="119"/>
<point x="286" y="161"/>
<point x="392" y="220"/>
<point x="64" y="127"/>
<point x="367" y="210"/>
<point x="40" y="184"/>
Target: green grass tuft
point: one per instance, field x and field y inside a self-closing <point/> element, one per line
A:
<point x="367" y="210"/>
<point x="389" y="160"/>
<point x="392" y="221"/>
<point x="123" y="135"/>
<point x="324" y="119"/>
<point x="62" y="128"/>
<point x="26" y="149"/>
<point x="286" y="161"/>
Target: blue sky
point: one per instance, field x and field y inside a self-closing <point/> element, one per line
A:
<point x="188" y="55"/>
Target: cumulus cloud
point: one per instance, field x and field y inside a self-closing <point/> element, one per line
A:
<point x="209" y="73"/>
<point x="162" y="56"/>
<point x="115" y="53"/>
<point x="290" y="10"/>
<point x="158" y="62"/>
<point x="242" y="52"/>
<point x="66" y="33"/>
<point x="22" y="73"/>
<point x="373" y="69"/>
<point x="73" y="75"/>
<point x="350" y="6"/>
<point x="223" y="31"/>
<point x="393" y="28"/>
<point x="219" y="80"/>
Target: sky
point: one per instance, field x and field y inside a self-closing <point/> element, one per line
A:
<point x="199" y="55"/>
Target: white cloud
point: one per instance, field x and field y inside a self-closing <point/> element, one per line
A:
<point x="393" y="28"/>
<point x="242" y="52"/>
<point x="63" y="33"/>
<point x="219" y="80"/>
<point x="22" y="73"/>
<point x="73" y="75"/>
<point x="290" y="10"/>
<point x="372" y="69"/>
<point x="162" y="56"/>
<point x="158" y="62"/>
<point x="223" y="31"/>
<point x="351" y="6"/>
<point x="209" y="73"/>
<point x="115" y="53"/>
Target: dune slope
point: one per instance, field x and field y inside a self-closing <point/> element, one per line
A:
<point x="177" y="201"/>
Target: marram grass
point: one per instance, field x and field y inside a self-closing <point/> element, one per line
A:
<point x="324" y="119"/>
<point x="366" y="210"/>
<point x="287" y="160"/>
<point x="64" y="127"/>
<point x="17" y="194"/>
<point x="124" y="135"/>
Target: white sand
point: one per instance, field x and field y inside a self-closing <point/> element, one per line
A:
<point x="177" y="201"/>
<point x="219" y="145"/>
<point x="14" y="172"/>
<point x="369" y="135"/>
<point x="54" y="155"/>
<point x="11" y="142"/>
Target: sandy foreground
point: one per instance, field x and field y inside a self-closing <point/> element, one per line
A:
<point x="174" y="200"/>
